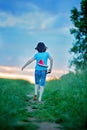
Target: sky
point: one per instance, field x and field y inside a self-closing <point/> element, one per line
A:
<point x="24" y="23"/>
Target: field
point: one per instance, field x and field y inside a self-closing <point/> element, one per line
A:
<point x="64" y="102"/>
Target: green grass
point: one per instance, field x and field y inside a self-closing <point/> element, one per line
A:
<point x="64" y="102"/>
<point x="13" y="103"/>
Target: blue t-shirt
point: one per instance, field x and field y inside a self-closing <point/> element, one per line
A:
<point x="43" y="56"/>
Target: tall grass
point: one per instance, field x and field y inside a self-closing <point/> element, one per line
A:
<point x="13" y="103"/>
<point x="65" y="102"/>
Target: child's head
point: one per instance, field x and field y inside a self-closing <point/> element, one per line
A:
<point x="41" y="47"/>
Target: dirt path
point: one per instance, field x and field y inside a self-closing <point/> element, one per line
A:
<point x="46" y="125"/>
<point x="42" y="125"/>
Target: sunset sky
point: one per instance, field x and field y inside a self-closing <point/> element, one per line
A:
<point x="23" y="23"/>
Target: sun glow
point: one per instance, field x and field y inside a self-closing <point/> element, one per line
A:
<point x="16" y="73"/>
<point x="27" y="74"/>
<point x="17" y="76"/>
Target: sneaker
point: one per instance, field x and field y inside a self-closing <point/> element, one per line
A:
<point x="35" y="97"/>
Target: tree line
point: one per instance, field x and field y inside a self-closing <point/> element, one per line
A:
<point x="79" y="48"/>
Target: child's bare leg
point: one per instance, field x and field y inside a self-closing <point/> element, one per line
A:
<point x="36" y="90"/>
<point x="41" y="92"/>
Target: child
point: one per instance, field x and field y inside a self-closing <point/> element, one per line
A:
<point x="41" y="68"/>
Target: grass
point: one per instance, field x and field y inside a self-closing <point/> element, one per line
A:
<point x="64" y="102"/>
<point x="13" y="103"/>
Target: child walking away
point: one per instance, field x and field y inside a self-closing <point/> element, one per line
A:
<point x="41" y="68"/>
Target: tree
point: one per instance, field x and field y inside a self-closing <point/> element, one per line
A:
<point x="79" y="49"/>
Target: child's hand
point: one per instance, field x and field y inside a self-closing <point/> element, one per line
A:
<point x="22" y="68"/>
<point x="49" y="71"/>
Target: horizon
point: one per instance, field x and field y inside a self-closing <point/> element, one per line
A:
<point x="27" y="74"/>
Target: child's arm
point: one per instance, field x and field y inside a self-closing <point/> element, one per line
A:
<point x="51" y="64"/>
<point x="27" y="63"/>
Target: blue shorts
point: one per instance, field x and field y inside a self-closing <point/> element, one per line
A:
<point x="40" y="77"/>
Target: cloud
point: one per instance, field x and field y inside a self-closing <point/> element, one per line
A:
<point x="32" y="19"/>
<point x="7" y="19"/>
<point x="35" y="20"/>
